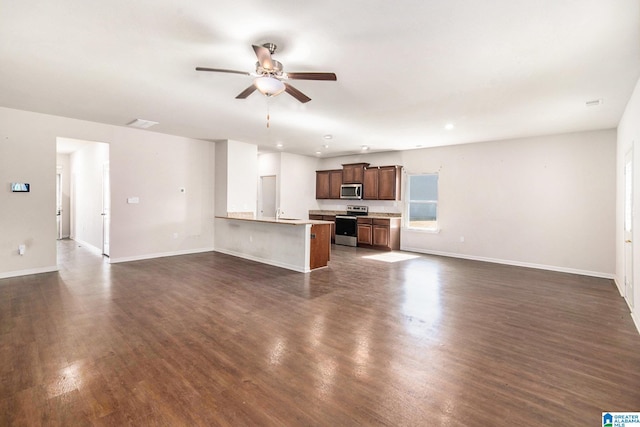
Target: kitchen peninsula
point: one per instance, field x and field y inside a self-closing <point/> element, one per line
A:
<point x="295" y="244"/>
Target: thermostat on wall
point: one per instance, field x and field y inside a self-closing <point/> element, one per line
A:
<point x="20" y="187"/>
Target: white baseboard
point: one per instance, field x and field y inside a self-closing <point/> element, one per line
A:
<point x="514" y="263"/>
<point x="159" y="255"/>
<point x="636" y="321"/>
<point x="265" y="261"/>
<point x="620" y="288"/>
<point x="28" y="272"/>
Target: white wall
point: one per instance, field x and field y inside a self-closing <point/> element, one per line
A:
<point x="27" y="154"/>
<point x="269" y="164"/>
<point x="155" y="168"/>
<point x="221" y="178"/>
<point x="143" y="163"/>
<point x="628" y="137"/>
<point x="86" y="173"/>
<point x="545" y="202"/>
<point x="298" y="186"/>
<point x="237" y="173"/>
<point x="242" y="176"/>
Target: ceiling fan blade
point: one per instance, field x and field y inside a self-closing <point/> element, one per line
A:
<point x="222" y="70"/>
<point x="312" y="76"/>
<point x="296" y="93"/>
<point x="264" y="57"/>
<point x="248" y="91"/>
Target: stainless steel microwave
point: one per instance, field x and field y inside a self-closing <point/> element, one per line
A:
<point x="351" y="191"/>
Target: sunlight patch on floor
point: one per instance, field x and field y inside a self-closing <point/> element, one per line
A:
<point x="391" y="257"/>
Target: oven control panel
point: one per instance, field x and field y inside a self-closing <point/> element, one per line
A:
<point x="357" y="210"/>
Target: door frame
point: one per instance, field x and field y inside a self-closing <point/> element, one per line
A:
<point x="106" y="209"/>
<point x="628" y="285"/>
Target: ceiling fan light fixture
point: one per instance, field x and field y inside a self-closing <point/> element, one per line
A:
<point x="269" y="86"/>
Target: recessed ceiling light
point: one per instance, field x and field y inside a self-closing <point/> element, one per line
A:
<point x="142" y="124"/>
<point x="279" y="145"/>
<point x="326" y="145"/>
<point x="318" y="152"/>
<point x="328" y="136"/>
<point x="449" y="126"/>
<point x="364" y="147"/>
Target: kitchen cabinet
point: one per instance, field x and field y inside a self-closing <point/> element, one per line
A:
<point x="370" y="184"/>
<point x="331" y="218"/>
<point x="382" y="183"/>
<point x="319" y="247"/>
<point x="328" y="184"/>
<point x="379" y="233"/>
<point x="353" y="173"/>
<point x="364" y="232"/>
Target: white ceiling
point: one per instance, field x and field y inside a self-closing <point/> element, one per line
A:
<point x="495" y="69"/>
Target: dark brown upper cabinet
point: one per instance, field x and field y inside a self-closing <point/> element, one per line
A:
<point x="353" y="173"/>
<point x="328" y="184"/>
<point x="382" y="183"/>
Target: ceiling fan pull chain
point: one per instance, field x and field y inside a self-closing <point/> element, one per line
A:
<point x="268" y="117"/>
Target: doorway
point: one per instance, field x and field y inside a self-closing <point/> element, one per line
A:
<point x="85" y="213"/>
<point x="267" y="198"/>
<point x="628" y="228"/>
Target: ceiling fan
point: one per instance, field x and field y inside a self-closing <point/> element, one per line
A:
<point x="270" y="77"/>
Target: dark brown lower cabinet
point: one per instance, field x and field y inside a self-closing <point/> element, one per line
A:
<point x="320" y="250"/>
<point x="331" y="218"/>
<point x="364" y="233"/>
<point x="379" y="233"/>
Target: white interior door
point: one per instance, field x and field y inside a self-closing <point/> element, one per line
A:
<point x="267" y="196"/>
<point x="628" y="227"/>
<point x="106" y="208"/>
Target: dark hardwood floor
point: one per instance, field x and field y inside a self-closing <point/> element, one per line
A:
<point x="209" y="339"/>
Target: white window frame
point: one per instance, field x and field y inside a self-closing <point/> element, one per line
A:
<point x="408" y="203"/>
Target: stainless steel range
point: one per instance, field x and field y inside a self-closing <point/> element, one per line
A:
<point x="347" y="225"/>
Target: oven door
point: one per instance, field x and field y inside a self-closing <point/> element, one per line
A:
<point x="346" y="230"/>
<point x="346" y="225"/>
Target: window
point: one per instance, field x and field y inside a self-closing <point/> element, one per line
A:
<point x="422" y="202"/>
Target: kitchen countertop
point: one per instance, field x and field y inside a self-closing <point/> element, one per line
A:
<point x="370" y="215"/>
<point x="286" y="221"/>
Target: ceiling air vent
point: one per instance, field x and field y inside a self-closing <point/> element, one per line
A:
<point x="142" y="124"/>
<point x="593" y="103"/>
